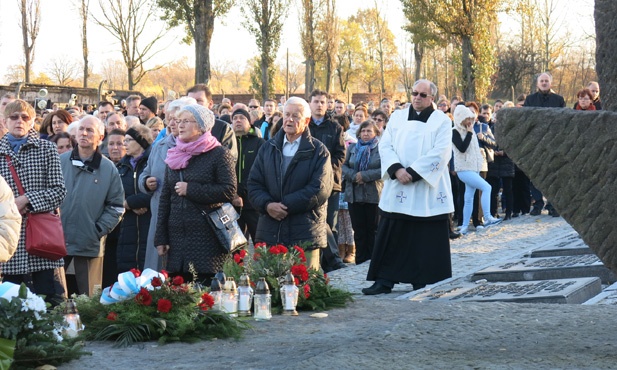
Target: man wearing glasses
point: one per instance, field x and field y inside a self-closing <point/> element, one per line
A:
<point x="412" y="244"/>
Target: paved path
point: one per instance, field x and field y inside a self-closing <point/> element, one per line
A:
<point x="384" y="332"/>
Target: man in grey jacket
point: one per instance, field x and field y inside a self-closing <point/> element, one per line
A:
<point x="92" y="208"/>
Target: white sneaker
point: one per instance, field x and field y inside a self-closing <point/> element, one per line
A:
<point x="464" y="230"/>
<point x="492" y="221"/>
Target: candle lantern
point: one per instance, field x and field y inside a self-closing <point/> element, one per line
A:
<point x="230" y="297"/>
<point x="245" y="296"/>
<point x="73" y="325"/>
<point x="289" y="295"/>
<point x="221" y="277"/>
<point x="262" y="300"/>
<point x="216" y="293"/>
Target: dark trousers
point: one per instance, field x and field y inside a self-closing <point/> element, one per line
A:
<point x="330" y="260"/>
<point x="521" y="193"/>
<point x="364" y="223"/>
<point x="44" y="282"/>
<point x="506" y="184"/>
<point x="477" y="214"/>
<point x="539" y="199"/>
<point x="458" y="205"/>
<point x="248" y="221"/>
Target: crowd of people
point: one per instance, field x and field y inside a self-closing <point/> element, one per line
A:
<point x="349" y="183"/>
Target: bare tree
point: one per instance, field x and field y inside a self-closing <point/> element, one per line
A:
<point x="30" y="23"/>
<point x="198" y="16"/>
<point x="82" y="7"/>
<point x="129" y="21"/>
<point x="329" y="32"/>
<point x="310" y="14"/>
<point x="264" y="20"/>
<point x="62" y="70"/>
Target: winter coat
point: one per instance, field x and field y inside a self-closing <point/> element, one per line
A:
<point x="211" y="182"/>
<point x="10" y="222"/>
<point x="38" y="168"/>
<point x="331" y="134"/>
<point x="370" y="191"/>
<point x="304" y="190"/>
<point x="94" y="204"/>
<point x="540" y="99"/>
<point x="131" y="249"/>
<point x="156" y="167"/>
<point x="225" y="135"/>
<point x="503" y="166"/>
<point x="487" y="142"/>
<point x="248" y="147"/>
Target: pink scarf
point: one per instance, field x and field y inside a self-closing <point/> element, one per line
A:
<point x="179" y="156"/>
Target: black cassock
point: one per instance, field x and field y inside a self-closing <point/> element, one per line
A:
<point x="413" y="250"/>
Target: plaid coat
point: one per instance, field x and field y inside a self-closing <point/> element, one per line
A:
<point x="38" y="167"/>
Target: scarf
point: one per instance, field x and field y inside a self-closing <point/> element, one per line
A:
<point x="363" y="153"/>
<point x="16" y="143"/>
<point x="590" y="107"/>
<point x="178" y="157"/>
<point x="353" y="128"/>
<point x="133" y="160"/>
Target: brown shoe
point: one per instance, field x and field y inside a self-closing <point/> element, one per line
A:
<point x="350" y="256"/>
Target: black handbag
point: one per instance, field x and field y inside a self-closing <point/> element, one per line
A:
<point x="224" y="223"/>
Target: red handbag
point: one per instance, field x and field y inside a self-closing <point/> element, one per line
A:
<point x="44" y="233"/>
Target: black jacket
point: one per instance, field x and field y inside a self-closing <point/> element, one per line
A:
<point x="550" y="100"/>
<point x="131" y="250"/>
<point x="331" y="134"/>
<point x="304" y="190"/>
<point x="225" y="135"/>
<point x="248" y="146"/>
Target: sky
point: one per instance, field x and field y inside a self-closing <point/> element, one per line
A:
<point x="60" y="35"/>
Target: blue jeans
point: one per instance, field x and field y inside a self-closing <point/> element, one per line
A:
<point x="472" y="182"/>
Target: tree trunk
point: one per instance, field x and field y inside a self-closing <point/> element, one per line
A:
<point x="469" y="88"/>
<point x="328" y="72"/>
<point x="84" y="40"/>
<point x="204" y="26"/>
<point x="606" y="44"/>
<point x="24" y="33"/>
<point x="418" y="52"/>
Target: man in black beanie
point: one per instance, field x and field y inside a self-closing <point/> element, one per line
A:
<point x="147" y="109"/>
<point x="249" y="142"/>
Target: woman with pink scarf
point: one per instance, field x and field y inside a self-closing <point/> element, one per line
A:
<point x="200" y="177"/>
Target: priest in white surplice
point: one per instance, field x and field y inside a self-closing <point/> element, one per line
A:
<point x="413" y="244"/>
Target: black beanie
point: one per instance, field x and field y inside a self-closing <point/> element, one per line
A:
<point x="242" y="112"/>
<point x="150" y="103"/>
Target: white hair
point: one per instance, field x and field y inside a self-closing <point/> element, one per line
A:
<point x="131" y="120"/>
<point x="100" y="126"/>
<point x="306" y="109"/>
<point x="180" y="103"/>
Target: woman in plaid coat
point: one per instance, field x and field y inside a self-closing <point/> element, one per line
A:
<point x="37" y="165"/>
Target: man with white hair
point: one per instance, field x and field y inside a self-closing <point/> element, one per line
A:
<point x="290" y="183"/>
<point x="92" y="208"/>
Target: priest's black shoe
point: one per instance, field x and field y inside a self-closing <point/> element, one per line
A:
<point x="454" y="235"/>
<point x="376" y="288"/>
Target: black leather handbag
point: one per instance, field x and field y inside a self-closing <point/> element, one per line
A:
<point x="224" y="222"/>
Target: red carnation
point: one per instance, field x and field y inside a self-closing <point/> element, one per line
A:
<point x="178" y="280"/>
<point x="300" y="253"/>
<point x="143" y="297"/>
<point x="274" y="249"/>
<point x="156" y="282"/>
<point x="237" y="258"/>
<point x="136" y="272"/>
<point x="242" y="253"/>
<point x="283" y="249"/>
<point x="307" y="290"/>
<point x="300" y="271"/>
<point x="112" y="316"/>
<point x="165" y="273"/>
<point x="260" y="245"/>
<point x="297" y="281"/>
<point x="164" y="305"/>
<point x="256" y="256"/>
<point x="207" y="301"/>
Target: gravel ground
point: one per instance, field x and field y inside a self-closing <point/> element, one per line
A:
<point x="386" y="332"/>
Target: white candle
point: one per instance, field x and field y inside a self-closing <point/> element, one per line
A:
<point x="289" y="301"/>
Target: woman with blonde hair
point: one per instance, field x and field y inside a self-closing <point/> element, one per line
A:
<point x="468" y="162"/>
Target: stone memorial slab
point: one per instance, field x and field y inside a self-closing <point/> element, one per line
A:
<point x="573" y="291"/>
<point x="564" y="267"/>
<point x="570" y="246"/>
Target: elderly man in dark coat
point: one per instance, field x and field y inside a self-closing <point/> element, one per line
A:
<point x="290" y="183"/>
